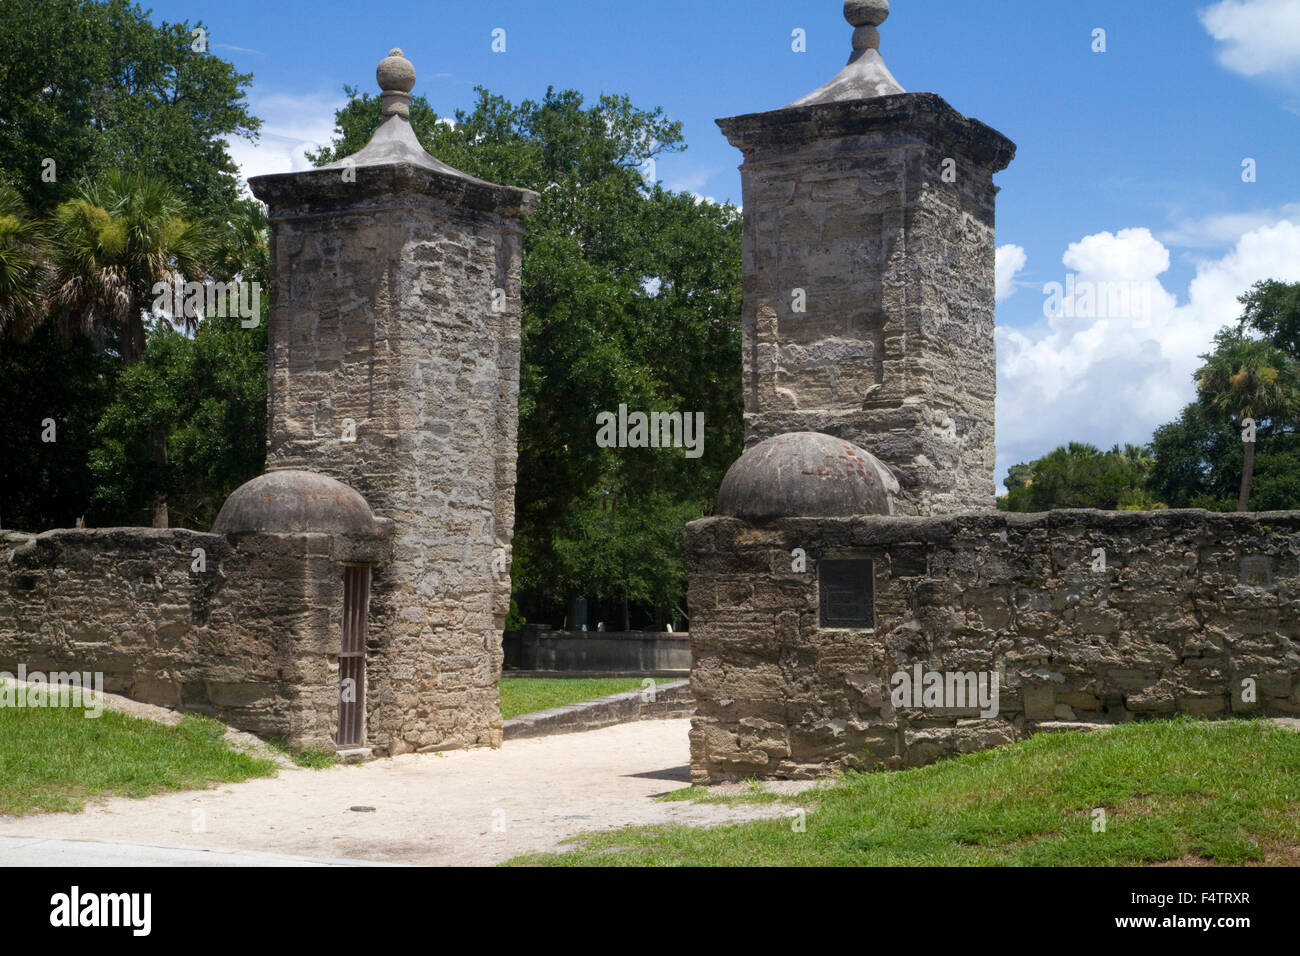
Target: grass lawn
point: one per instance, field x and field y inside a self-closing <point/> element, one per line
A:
<point x="54" y="759"/>
<point x="525" y="695"/>
<point x="1225" y="792"/>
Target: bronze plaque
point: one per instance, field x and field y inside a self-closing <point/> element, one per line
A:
<point x="845" y="590"/>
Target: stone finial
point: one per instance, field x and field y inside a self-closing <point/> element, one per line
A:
<point x="865" y="16"/>
<point x="396" y="77"/>
<point x="866" y="75"/>
<point x="394" y="141"/>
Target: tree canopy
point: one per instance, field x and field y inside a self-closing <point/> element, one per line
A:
<point x="97" y="86"/>
<point x="1079" y="475"/>
<point x="114" y="174"/>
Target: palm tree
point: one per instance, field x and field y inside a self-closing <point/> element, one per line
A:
<point x="24" y="267"/>
<point x="1249" y="378"/>
<point x="113" y="240"/>
<point x="240" y="248"/>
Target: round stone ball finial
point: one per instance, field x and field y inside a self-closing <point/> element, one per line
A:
<point x="395" y="72"/>
<point x="396" y="76"/>
<point x="866" y="13"/>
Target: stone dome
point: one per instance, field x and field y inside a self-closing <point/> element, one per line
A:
<point x="808" y="474"/>
<point x="294" y="501"/>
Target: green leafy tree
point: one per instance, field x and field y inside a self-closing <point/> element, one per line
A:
<point x="89" y="89"/>
<point x="1248" y="379"/>
<point x="96" y="86"/>
<point x="618" y="548"/>
<point x="45" y="484"/>
<point x="1200" y="457"/>
<point x="205" y="393"/>
<point x="24" y="269"/>
<point x="631" y="294"/>
<point x="1018" y="476"/>
<point x="1272" y="308"/>
<point x="1194" y="460"/>
<point x="1079" y="475"/>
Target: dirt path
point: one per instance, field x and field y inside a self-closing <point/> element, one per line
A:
<point x="473" y="807"/>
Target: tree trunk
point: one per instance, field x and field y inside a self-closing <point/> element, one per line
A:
<point x="133" y="345"/>
<point x="133" y="340"/>
<point x="1247" y="472"/>
<point x="160" y="460"/>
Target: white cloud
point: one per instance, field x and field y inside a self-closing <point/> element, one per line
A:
<point x="1257" y="36"/>
<point x="1223" y="229"/>
<point x="1131" y="255"/>
<point x="291" y="125"/>
<point x="237" y="49"/>
<point x="1009" y="260"/>
<point x="1113" y="378"/>
<point x="687" y="180"/>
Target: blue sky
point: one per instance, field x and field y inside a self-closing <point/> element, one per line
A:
<point x="1129" y="165"/>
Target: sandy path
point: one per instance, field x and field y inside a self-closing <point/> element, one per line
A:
<point x="472" y="807"/>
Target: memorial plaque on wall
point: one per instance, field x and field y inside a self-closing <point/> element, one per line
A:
<point x="845" y="590"/>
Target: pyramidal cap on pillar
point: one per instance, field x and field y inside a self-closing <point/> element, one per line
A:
<point x="865" y="75"/>
<point x="865" y="96"/>
<point x="393" y="160"/>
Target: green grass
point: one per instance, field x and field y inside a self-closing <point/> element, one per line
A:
<point x="526" y="695"/>
<point x="314" y="758"/>
<point x="1223" y="792"/>
<point x="55" y="759"/>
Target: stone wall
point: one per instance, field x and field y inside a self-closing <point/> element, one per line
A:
<point x="1187" y="605"/>
<point x="252" y="640"/>
<point x="881" y="213"/>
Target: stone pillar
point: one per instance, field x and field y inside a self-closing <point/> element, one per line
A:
<point x="869" y="275"/>
<point x="394" y="368"/>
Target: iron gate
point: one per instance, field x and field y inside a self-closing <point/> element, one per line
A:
<point x="352" y="656"/>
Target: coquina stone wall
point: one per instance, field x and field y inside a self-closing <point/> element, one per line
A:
<point x="252" y="640"/>
<point x="1187" y="605"/>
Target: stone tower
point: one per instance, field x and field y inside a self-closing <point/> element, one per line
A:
<point x="869" y="275"/>
<point x="394" y="368"/>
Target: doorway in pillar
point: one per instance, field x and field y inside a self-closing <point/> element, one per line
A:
<point x="352" y="657"/>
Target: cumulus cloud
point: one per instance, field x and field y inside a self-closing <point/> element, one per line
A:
<point x="291" y="125"/>
<point x="1106" y="378"/>
<point x="1010" y="260"/>
<point x="1257" y="37"/>
<point x="1132" y="255"/>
